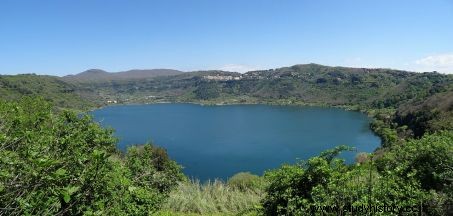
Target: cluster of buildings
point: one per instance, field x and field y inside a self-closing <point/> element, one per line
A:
<point x="222" y="77"/>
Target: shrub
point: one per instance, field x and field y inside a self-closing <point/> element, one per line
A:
<point x="415" y="173"/>
<point x="246" y="181"/>
<point x="63" y="163"/>
<point x="361" y="157"/>
<point x="151" y="167"/>
<point x="290" y="188"/>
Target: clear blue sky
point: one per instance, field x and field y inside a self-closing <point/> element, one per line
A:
<point x="65" y="37"/>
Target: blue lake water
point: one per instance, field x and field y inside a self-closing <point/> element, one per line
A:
<point x="219" y="141"/>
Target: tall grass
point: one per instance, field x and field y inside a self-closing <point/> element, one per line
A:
<point x="213" y="198"/>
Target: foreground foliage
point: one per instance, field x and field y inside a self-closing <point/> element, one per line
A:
<point x="213" y="198"/>
<point x="67" y="164"/>
<point x="417" y="173"/>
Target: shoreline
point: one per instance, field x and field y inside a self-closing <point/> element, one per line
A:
<point x="353" y="108"/>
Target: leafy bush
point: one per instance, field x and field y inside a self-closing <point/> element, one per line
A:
<point x="290" y="188"/>
<point x="66" y="164"/>
<point x="416" y="173"/>
<point x="428" y="162"/>
<point x="246" y="181"/>
<point x="151" y="167"/>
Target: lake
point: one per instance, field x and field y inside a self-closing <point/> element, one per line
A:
<point x="219" y="141"/>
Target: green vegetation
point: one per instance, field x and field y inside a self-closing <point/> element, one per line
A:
<point x="57" y="92"/>
<point x="417" y="173"/>
<point x="67" y="164"/>
<point x="54" y="161"/>
<point x="213" y="198"/>
<point x="310" y="83"/>
<point x="246" y="181"/>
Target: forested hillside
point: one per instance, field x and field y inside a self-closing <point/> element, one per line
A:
<point x="53" y="89"/>
<point x="310" y="83"/>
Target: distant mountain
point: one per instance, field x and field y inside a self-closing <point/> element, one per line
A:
<point x="96" y="75"/>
